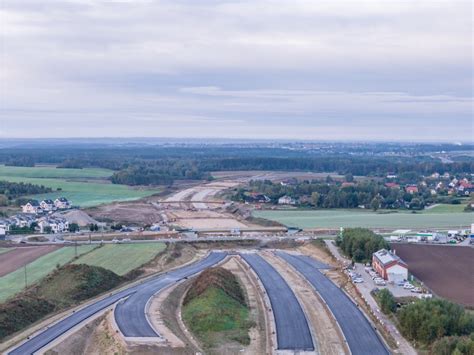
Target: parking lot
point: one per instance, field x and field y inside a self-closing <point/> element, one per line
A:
<point x="368" y="285"/>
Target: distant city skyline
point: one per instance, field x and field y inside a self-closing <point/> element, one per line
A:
<point x="329" y="70"/>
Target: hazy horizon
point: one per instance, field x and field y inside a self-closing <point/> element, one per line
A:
<point x="327" y="71"/>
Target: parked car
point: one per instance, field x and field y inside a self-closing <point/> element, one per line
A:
<point x="408" y="286"/>
<point x="380" y="283"/>
<point x="358" y="280"/>
<point x="416" y="290"/>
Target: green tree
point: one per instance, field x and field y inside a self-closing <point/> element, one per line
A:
<point x="73" y="227"/>
<point x="386" y="301"/>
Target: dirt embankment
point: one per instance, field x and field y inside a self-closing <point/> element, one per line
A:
<point x="63" y="288"/>
<point x="19" y="257"/>
<point x="95" y="338"/>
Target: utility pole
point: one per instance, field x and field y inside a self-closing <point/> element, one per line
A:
<point x="26" y="279"/>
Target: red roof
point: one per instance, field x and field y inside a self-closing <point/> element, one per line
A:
<point x="392" y="185"/>
<point x="411" y="189"/>
<point x="466" y="185"/>
<point x="345" y="184"/>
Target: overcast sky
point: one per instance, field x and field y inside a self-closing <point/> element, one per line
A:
<point x="334" y="70"/>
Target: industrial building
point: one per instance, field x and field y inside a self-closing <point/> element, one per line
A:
<point x="389" y="266"/>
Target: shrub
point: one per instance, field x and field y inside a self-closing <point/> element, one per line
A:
<point x="427" y="320"/>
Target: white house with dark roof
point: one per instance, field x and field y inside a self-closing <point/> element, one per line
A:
<point x="32" y="206"/>
<point x="286" y="200"/>
<point x="62" y="203"/>
<point x="47" y="205"/>
<point x="389" y="266"/>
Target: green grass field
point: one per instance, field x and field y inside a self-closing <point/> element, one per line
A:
<point x="358" y="218"/>
<point x="84" y="187"/>
<point x="445" y="208"/>
<point x="4" y="250"/>
<point x="53" y="172"/>
<point x="121" y="258"/>
<point x="14" y="282"/>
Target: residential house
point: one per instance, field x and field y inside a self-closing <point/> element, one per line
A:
<point x="32" y="206"/>
<point x="256" y="198"/>
<point x="5" y="224"/>
<point x="389" y="266"/>
<point x="286" y="200"/>
<point x="62" y="203"/>
<point x="392" y="185"/>
<point x="47" y="205"/>
<point x="57" y="224"/>
<point x="411" y="189"/>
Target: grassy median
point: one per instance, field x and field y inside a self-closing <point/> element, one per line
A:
<point x="215" y="309"/>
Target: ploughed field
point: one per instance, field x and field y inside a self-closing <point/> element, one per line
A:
<point x="12" y="259"/>
<point x="41" y="260"/>
<point x="14" y="282"/>
<point x="369" y="219"/>
<point x="447" y="270"/>
<point x="84" y="187"/>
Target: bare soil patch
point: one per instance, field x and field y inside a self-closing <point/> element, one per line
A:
<point x="131" y="213"/>
<point x="447" y="270"/>
<point x="19" y="257"/>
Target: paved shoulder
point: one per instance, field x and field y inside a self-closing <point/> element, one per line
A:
<point x="292" y="328"/>
<point x="55" y="331"/>
<point x="130" y="314"/>
<point x="360" y="336"/>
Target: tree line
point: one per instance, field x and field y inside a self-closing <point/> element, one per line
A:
<point x="329" y="194"/>
<point x="12" y="190"/>
<point x="360" y="243"/>
<point x="136" y="165"/>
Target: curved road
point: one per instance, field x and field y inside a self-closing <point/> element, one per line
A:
<point x="130" y="314"/>
<point x="360" y="336"/>
<point x="155" y="284"/>
<point x="292" y="328"/>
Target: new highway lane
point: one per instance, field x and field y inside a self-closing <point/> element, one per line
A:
<point x="361" y="337"/>
<point x="137" y="321"/>
<point x="292" y="328"/>
<point x="130" y="314"/>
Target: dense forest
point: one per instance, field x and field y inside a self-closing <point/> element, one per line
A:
<point x="137" y="164"/>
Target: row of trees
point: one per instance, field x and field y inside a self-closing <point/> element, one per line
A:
<point x="360" y="243"/>
<point x="162" y="173"/>
<point x="16" y="189"/>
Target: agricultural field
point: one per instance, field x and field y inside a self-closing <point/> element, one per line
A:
<point x="357" y="218"/>
<point x="445" y="208"/>
<point x="4" y="250"/>
<point x="84" y="187"/>
<point x="54" y="173"/>
<point x="121" y="258"/>
<point x="447" y="270"/>
<point x="14" y="282"/>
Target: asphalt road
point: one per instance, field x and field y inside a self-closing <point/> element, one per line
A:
<point x="360" y="336"/>
<point x="292" y="328"/>
<point x="130" y="314"/>
<point x="152" y="285"/>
